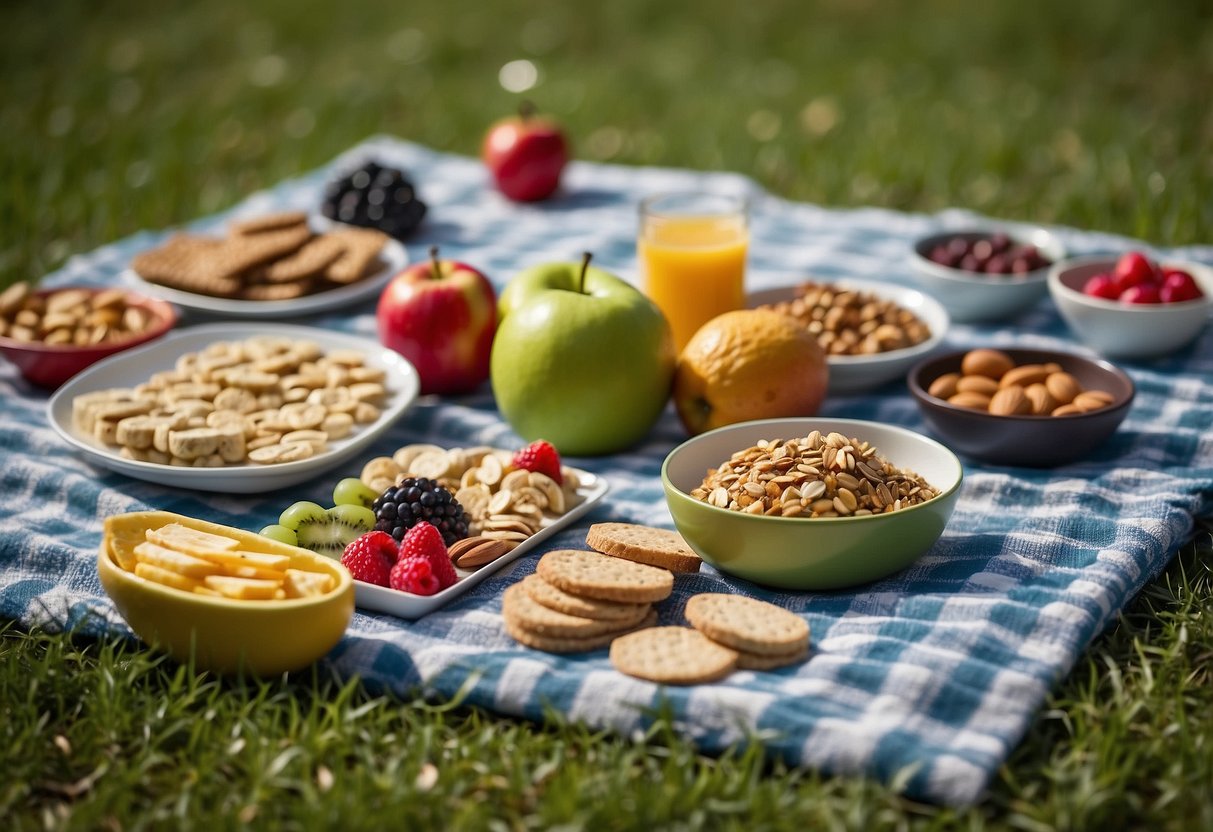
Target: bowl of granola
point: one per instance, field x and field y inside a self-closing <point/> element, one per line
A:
<point x="811" y="503"/>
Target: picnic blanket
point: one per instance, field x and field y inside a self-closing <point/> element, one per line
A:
<point x="927" y="679"/>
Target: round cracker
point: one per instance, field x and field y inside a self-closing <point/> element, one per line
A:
<point x="517" y="606"/>
<point x="672" y="655"/>
<point x="644" y="544"/>
<point x="555" y="644"/>
<point x="755" y="661"/>
<point x="747" y="624"/>
<point x="557" y="599"/>
<point x="595" y="575"/>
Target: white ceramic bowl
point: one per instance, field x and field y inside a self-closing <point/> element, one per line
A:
<point x="1120" y="330"/>
<point x="974" y="296"/>
<point x="856" y="373"/>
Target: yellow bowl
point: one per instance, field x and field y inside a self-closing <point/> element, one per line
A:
<point x="225" y="635"/>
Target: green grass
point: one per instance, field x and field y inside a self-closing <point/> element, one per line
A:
<point x="138" y="115"/>
<point x="102" y="734"/>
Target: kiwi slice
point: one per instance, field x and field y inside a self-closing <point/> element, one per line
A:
<point x="327" y="531"/>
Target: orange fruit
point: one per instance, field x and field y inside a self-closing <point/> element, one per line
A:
<point x="748" y="364"/>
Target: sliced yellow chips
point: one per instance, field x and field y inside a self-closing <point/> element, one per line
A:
<point x="236" y="557"/>
<point x="166" y="577"/>
<point x="245" y="589"/>
<point x="194" y="561"/>
<point x="190" y="541"/>
<point x="301" y="584"/>
<point x="174" y="561"/>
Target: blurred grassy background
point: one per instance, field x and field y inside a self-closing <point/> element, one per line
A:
<point x="1090" y="113"/>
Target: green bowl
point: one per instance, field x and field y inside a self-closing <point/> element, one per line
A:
<point x="820" y="553"/>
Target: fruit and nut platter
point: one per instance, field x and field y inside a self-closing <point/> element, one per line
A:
<point x="333" y="428"/>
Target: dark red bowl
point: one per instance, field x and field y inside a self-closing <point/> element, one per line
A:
<point x="50" y="365"/>
<point x="1030" y="441"/>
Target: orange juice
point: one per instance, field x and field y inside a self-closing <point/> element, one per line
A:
<point x="694" y="267"/>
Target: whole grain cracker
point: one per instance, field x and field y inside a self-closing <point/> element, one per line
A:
<point x="188" y="263"/>
<point x="241" y="253"/>
<point x="672" y="655"/>
<point x="596" y="575"/>
<point x="755" y="661"/>
<point x="312" y="258"/>
<point x="644" y="544"/>
<point x="526" y="613"/>
<point x="554" y="644"/>
<point x="268" y="222"/>
<point x="361" y="247"/>
<point x="747" y="624"/>
<point x="557" y="599"/>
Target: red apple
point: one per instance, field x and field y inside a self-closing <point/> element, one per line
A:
<point x="526" y="155"/>
<point x="441" y="315"/>
<point x="1132" y="269"/>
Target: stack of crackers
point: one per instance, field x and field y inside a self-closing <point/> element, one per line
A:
<point x="273" y="257"/>
<point x="583" y="600"/>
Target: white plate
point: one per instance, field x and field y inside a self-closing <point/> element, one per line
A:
<point x="406" y="605"/>
<point x="857" y="373"/>
<point x="133" y="367"/>
<point x="394" y="257"/>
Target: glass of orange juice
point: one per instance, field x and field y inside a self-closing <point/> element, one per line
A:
<point x="692" y="249"/>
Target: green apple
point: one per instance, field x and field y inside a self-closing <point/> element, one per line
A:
<point x="581" y="359"/>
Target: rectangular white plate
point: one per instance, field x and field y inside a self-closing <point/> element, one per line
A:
<point x="406" y="605"/>
<point x="133" y="367"/>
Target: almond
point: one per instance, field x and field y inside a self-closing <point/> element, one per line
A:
<point x="944" y="387"/>
<point x="977" y="384"/>
<point x="1040" y="397"/>
<point x="975" y="401"/>
<point x="1067" y="410"/>
<point x="1024" y="375"/>
<point x="1092" y="400"/>
<point x="986" y="362"/>
<point x="1063" y="387"/>
<point x="1010" y="401"/>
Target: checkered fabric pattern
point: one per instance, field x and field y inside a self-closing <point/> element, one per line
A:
<point x="928" y="678"/>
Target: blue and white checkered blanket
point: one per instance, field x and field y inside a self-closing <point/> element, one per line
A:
<point x="929" y="677"/>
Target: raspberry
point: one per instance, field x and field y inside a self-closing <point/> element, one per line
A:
<point x="425" y="542"/>
<point x="541" y="457"/>
<point x="370" y="557"/>
<point x="415" y="575"/>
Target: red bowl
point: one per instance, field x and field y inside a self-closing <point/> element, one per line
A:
<point x="50" y="365"/>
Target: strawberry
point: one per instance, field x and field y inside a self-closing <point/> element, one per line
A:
<point x="539" y="456"/>
<point x="424" y="566"/>
<point x="370" y="557"/>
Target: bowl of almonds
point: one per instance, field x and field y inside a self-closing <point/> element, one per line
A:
<point x="1026" y="407"/>
<point x="52" y="334"/>
<point x="811" y="503"/>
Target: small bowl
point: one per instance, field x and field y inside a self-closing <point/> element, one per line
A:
<point x="224" y="635"/>
<point x="857" y="373"/>
<point x="1120" y="330"/>
<point x="49" y="366"/>
<point x="1028" y="441"/>
<point x="823" y="553"/>
<point x="975" y="296"/>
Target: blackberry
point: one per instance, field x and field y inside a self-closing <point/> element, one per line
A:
<point x="374" y="196"/>
<point x="414" y="499"/>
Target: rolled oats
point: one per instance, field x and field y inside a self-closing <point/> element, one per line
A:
<point x="812" y="476"/>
